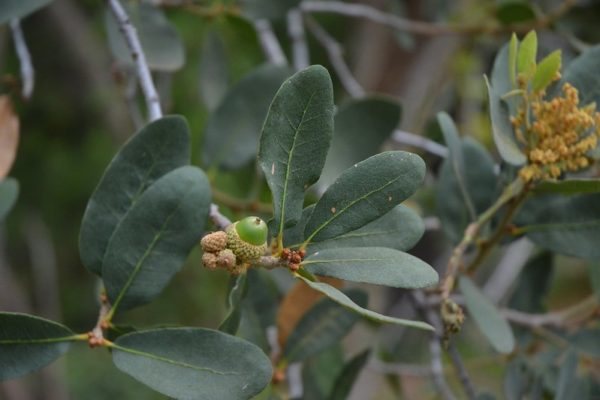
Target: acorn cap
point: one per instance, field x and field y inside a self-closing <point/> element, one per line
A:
<point x="245" y="252"/>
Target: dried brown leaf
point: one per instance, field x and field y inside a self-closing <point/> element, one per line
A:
<point x="295" y="304"/>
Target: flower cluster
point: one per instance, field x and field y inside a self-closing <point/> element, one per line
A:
<point x="560" y="135"/>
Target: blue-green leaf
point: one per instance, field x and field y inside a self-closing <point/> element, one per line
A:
<point x="364" y="193"/>
<point x="193" y="363"/>
<point x="347" y="378"/>
<point x="568" y="187"/>
<point x="214" y="72"/>
<point x="487" y="317"/>
<point x="376" y="265"/>
<point x="398" y="229"/>
<point x="233" y="129"/>
<point x="28" y="343"/>
<point x="478" y="185"/>
<point x="339" y="297"/>
<point x="295" y="139"/>
<point x="156" y="149"/>
<point x="564" y="224"/>
<point x="322" y="326"/>
<point x="582" y="73"/>
<point x="361" y="127"/>
<point x="10" y="9"/>
<point x="237" y="291"/>
<point x="9" y="192"/>
<point x="155" y="236"/>
<point x="502" y="129"/>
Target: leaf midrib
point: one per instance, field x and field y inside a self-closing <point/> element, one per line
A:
<point x="170" y="361"/>
<point x="560" y="225"/>
<point x="146" y="254"/>
<point x="343" y="210"/>
<point x="61" y="339"/>
<point x="289" y="162"/>
<point x="342" y="260"/>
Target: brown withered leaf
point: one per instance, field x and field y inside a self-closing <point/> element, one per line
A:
<point x="295" y="304"/>
<point x="9" y="135"/>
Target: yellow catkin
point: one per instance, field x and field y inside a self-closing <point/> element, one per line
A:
<point x="560" y="135"/>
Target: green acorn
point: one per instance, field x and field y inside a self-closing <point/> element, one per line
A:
<point x="247" y="239"/>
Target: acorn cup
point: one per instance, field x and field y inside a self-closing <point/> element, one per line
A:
<point x="247" y="238"/>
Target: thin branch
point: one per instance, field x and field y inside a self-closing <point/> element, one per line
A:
<point x="133" y="42"/>
<point x="300" y="54"/>
<point x="428" y="28"/>
<point x="237" y="204"/>
<point x="574" y="314"/>
<point x="269" y="42"/>
<point x="217" y="218"/>
<point x="420" y="142"/>
<point x="437" y="369"/>
<point x="27" y="71"/>
<point x="435" y="347"/>
<point x="335" y="54"/>
<point x="461" y="370"/>
<point x="336" y="57"/>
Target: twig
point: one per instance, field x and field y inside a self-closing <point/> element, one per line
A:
<point x="420" y="142"/>
<point x="27" y="71"/>
<point x="437" y="369"/>
<point x="428" y="28"/>
<point x="335" y="54"/>
<point x="217" y="218"/>
<point x="240" y="204"/>
<point x="269" y="42"/>
<point x="294" y="378"/>
<point x="461" y="370"/>
<point x="435" y="347"/>
<point x="472" y="231"/>
<point x="300" y="54"/>
<point x="105" y="314"/>
<point x="137" y="53"/>
<point x="574" y="314"/>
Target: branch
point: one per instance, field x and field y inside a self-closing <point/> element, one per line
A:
<point x="137" y="53"/>
<point x="410" y="139"/>
<point x="435" y="347"/>
<point x="576" y="313"/>
<point x="335" y="54"/>
<point x="269" y="42"/>
<point x="428" y="28"/>
<point x="375" y="15"/>
<point x="461" y="370"/>
<point x="300" y="54"/>
<point x="217" y="218"/>
<point x="27" y="71"/>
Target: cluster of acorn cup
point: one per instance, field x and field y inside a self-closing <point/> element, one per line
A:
<point x="235" y="249"/>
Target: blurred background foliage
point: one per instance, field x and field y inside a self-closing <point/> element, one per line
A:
<point x="83" y="109"/>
